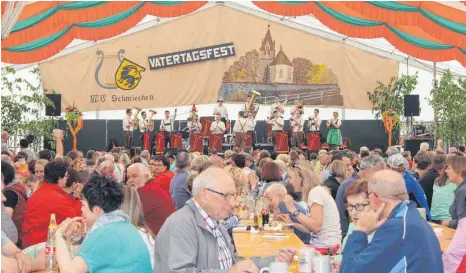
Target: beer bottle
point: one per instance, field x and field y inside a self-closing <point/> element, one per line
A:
<point x="50" y="259"/>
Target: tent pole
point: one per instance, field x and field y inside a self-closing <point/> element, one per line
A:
<point x="434" y="80"/>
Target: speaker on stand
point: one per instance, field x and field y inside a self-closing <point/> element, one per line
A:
<point x="411" y="109"/>
<point x="54" y="110"/>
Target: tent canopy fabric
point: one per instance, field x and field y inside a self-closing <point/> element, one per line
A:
<point x="426" y="30"/>
<point x="53" y="25"/>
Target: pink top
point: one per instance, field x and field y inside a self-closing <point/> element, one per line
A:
<point x="456" y="250"/>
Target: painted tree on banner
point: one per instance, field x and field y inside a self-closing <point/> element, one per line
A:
<point x="245" y="69"/>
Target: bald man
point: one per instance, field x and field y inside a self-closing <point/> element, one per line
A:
<point x="191" y="240"/>
<point x="156" y="204"/>
<point x="276" y="194"/>
<point x="404" y="241"/>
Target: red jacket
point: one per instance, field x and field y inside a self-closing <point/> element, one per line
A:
<point x="48" y="199"/>
<point x="462" y="266"/>
<point x="163" y="181"/>
<point x="156" y="205"/>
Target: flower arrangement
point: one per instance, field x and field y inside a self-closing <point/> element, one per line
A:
<point x="74" y="120"/>
<point x="72" y="113"/>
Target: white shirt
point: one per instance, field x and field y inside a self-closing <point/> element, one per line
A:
<point x="222" y="110"/>
<point x="314" y="124"/>
<point x="166" y="125"/>
<point x="297" y="124"/>
<point x="142" y="126"/>
<point x="277" y="123"/>
<point x="217" y="127"/>
<point x="240" y="126"/>
<point x="150" y="243"/>
<point x="337" y="123"/>
<point x="330" y="233"/>
<point x="126" y="123"/>
<point x="275" y="105"/>
<point x="118" y="172"/>
<point x="195" y="126"/>
<point x="250" y="124"/>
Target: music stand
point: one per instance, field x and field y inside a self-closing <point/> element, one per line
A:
<point x="281" y="142"/>
<point x="195" y="142"/>
<point x="215" y="141"/>
<point x="176" y="141"/>
<point x="206" y="122"/>
<point x="313" y="141"/>
<point x="159" y="143"/>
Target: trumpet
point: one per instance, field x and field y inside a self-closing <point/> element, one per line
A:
<point x="134" y="118"/>
<point x="150" y="122"/>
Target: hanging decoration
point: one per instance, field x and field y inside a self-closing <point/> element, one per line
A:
<point x="74" y="120"/>
<point x="425" y="30"/>
<point x="45" y="28"/>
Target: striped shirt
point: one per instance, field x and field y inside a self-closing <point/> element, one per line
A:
<point x="225" y="258"/>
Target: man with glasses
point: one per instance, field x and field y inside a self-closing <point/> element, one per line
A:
<point x="404" y="242"/>
<point x="192" y="240"/>
<point x="156" y="204"/>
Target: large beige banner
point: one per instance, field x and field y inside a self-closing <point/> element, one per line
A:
<point x="217" y="52"/>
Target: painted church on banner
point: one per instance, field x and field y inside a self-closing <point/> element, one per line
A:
<point x="274" y="68"/>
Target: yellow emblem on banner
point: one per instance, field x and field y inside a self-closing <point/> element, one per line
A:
<point x="128" y="75"/>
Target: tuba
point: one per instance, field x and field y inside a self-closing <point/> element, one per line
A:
<point x="134" y="118"/>
<point x="251" y="106"/>
<point x="150" y="122"/>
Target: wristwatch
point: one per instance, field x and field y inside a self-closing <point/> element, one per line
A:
<point x="296" y="213"/>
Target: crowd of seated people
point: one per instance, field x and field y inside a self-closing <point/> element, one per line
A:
<point x="176" y="212"/>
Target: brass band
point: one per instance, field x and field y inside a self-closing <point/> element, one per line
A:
<point x="243" y="131"/>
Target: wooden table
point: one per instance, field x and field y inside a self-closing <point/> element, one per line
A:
<point x="445" y="237"/>
<point x="250" y="245"/>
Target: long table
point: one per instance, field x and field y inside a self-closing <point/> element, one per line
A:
<point x="249" y="245"/>
<point x="445" y="236"/>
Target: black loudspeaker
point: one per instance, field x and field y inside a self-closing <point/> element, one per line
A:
<point x="411" y="105"/>
<point x="413" y="144"/>
<point x="173" y="151"/>
<point x="30" y="138"/>
<point x="56" y="100"/>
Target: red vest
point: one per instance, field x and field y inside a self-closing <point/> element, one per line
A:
<point x="18" y="212"/>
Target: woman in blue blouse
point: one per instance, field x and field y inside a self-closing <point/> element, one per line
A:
<point x="112" y="244"/>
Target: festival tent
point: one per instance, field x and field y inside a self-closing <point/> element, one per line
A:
<point x="409" y="32"/>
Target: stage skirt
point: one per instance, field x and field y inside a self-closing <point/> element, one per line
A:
<point x="334" y="137"/>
